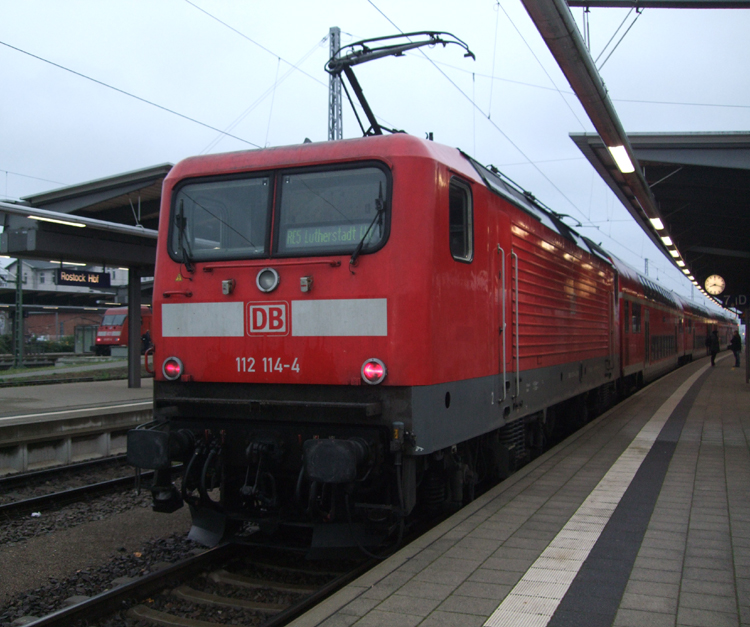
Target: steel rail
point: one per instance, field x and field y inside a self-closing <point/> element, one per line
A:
<point x="46" y="501"/>
<point x="112" y="600"/>
<point x="23" y="478"/>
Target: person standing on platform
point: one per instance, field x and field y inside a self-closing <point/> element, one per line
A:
<point x="715" y="346"/>
<point x="736" y="346"/>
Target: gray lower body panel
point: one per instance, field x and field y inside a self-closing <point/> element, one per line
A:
<point x="449" y="413"/>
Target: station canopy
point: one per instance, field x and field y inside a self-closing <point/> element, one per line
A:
<point x="117" y="209"/>
<point x="701" y="185"/>
<point x="119" y="215"/>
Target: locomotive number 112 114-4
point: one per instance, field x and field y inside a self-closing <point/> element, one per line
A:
<point x="269" y="364"/>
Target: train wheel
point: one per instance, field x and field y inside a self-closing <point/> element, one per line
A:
<point x="550" y="424"/>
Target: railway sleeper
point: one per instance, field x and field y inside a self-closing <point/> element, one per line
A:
<point x="196" y="596"/>
<point x="240" y="581"/>
<point x="155" y="617"/>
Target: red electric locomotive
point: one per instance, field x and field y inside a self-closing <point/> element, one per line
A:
<point x="113" y="331"/>
<point x="346" y="330"/>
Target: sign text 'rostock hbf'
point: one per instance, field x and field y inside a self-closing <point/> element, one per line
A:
<point x="82" y="278"/>
<point x="267" y="318"/>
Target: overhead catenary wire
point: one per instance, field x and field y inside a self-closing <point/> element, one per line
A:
<point x="492" y="77"/>
<point x="494" y="57"/>
<point x="532" y="163"/>
<point x="617" y="30"/>
<point x="127" y="93"/>
<point x="262" y="97"/>
<point x="262" y="47"/>
<point x="29" y="176"/>
<point x="273" y="98"/>
<point x="497" y="128"/>
<point x="541" y="65"/>
<point x="639" y="12"/>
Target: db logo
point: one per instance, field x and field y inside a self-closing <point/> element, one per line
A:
<point x="267" y="318"/>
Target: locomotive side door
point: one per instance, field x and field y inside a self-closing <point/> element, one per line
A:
<point x="613" y="350"/>
<point x="514" y="349"/>
<point x="500" y="269"/>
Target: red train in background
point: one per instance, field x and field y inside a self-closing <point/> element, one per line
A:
<point x="349" y="331"/>
<point x="113" y="331"/>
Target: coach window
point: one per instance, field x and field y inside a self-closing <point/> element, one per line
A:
<point x="626" y="316"/>
<point x="460" y="219"/>
<point x="636" y="318"/>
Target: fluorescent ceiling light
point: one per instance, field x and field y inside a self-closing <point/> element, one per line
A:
<point x="620" y="155"/>
<point x="691" y="277"/>
<point x="657" y="224"/>
<point x="667" y="241"/>
<point x="686" y="271"/>
<point x="68" y="263"/>
<point x="674" y="253"/>
<point x="65" y="222"/>
<point x="680" y="263"/>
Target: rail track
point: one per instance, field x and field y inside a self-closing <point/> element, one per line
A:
<point x="229" y="583"/>
<point x="58" y="480"/>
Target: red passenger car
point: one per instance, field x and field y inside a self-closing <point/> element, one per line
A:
<point x="347" y="330"/>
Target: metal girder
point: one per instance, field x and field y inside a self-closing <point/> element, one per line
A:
<point x="47" y="242"/>
<point x="560" y="32"/>
<point x="661" y="4"/>
<point x="43" y="215"/>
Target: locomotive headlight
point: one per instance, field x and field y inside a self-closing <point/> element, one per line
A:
<point x="171" y="368"/>
<point x="373" y="371"/>
<point x="267" y="280"/>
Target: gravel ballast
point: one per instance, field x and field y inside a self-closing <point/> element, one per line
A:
<point x="84" y="542"/>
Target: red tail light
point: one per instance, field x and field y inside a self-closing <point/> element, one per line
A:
<point x="373" y="371"/>
<point x="171" y="368"/>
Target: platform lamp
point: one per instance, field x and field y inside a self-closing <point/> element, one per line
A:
<point x="18" y="318"/>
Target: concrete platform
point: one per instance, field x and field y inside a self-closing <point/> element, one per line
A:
<point x="42" y="399"/>
<point x="63" y="423"/>
<point x="642" y="518"/>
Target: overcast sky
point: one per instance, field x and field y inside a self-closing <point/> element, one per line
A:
<point x="255" y="70"/>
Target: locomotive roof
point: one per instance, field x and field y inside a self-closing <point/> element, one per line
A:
<point x="380" y="147"/>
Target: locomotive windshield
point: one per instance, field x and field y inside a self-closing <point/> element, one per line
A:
<point x="316" y="212"/>
<point x="221" y="219"/>
<point x="331" y="211"/>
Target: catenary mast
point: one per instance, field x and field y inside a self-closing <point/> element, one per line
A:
<point x="335" y="122"/>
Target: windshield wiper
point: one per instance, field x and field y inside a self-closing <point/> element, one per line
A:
<point x="183" y="243"/>
<point x="380" y="209"/>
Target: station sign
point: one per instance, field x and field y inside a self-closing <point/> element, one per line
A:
<point x="736" y="301"/>
<point x="82" y="278"/>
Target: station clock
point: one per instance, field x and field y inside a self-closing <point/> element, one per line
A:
<point x="715" y="284"/>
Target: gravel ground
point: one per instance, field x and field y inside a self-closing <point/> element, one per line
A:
<point x="94" y="580"/>
<point x="80" y="549"/>
<point x="18" y="530"/>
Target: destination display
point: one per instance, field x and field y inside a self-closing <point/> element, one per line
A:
<point x="324" y="236"/>
<point x="82" y="278"/>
